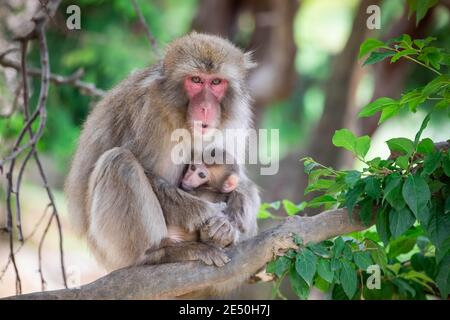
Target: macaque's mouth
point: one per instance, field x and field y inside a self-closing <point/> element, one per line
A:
<point x="204" y="125"/>
<point x="185" y="187"/>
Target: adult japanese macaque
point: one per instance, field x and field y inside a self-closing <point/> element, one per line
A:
<point x="122" y="173"/>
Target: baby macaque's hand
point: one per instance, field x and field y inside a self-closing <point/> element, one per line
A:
<point x="219" y="231"/>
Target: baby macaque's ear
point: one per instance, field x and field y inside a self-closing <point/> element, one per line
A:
<point x="231" y="183"/>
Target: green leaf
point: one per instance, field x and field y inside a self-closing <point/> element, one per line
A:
<point x="347" y="252"/>
<point x="325" y="200"/>
<point x="443" y="277"/>
<point x="402" y="145"/>
<point x="373" y="187"/>
<point x="403" y="53"/>
<point x="352" y="196"/>
<point x="316" y="174"/>
<point x="320" y="249"/>
<point x="362" y="259"/>
<point x="422" y="7"/>
<point x="339" y="245"/>
<point x="378" y="254"/>
<point x="352" y="177"/>
<point x="383" y="226"/>
<point x="321" y="184"/>
<point x="376" y="106"/>
<point x="425" y="146"/>
<point x="416" y="193"/>
<point x="344" y="138"/>
<point x="404" y="287"/>
<point x="377" y="57"/>
<point x="362" y="146"/>
<point x="309" y="164"/>
<point x="366" y="211"/>
<point x="438" y="227"/>
<point x="292" y="208"/>
<point x="282" y="265"/>
<point x="401" y="245"/>
<point x="270" y="268"/>
<point x="400" y="221"/>
<point x="263" y="214"/>
<point x="435" y="85"/>
<point x="402" y="162"/>
<point x="388" y="113"/>
<point x="348" y="279"/>
<point x="324" y="270"/>
<point x="306" y="265"/>
<point x="431" y="162"/>
<point x="368" y="46"/>
<point x="446" y="164"/>
<point x="298" y="285"/>
<point x="393" y="191"/>
<point x="422" y="127"/>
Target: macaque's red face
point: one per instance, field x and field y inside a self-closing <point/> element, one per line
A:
<point x="195" y="176"/>
<point x="205" y="92"/>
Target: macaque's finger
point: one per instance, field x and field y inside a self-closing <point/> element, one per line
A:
<point x="223" y="235"/>
<point x="206" y="259"/>
<point x="217" y="224"/>
<point x="220" y="258"/>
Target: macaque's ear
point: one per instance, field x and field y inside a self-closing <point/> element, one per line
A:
<point x="231" y="183"/>
<point x="248" y="60"/>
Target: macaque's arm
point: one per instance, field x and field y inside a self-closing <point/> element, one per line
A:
<point x="180" y="208"/>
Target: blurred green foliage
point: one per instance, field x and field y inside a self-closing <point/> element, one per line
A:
<point x="111" y="44"/>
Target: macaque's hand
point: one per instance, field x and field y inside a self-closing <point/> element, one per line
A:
<point x="220" y="231"/>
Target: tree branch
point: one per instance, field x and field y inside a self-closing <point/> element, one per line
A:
<point x="86" y="88"/>
<point x="177" y="279"/>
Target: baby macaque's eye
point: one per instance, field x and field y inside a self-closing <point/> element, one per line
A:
<point x="202" y="175"/>
<point x="216" y="81"/>
<point x="193" y="167"/>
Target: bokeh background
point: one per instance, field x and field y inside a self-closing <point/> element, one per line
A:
<point x="308" y="84"/>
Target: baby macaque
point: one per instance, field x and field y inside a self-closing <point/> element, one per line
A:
<point x="214" y="183"/>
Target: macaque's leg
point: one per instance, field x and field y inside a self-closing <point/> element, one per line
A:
<point x="125" y="215"/>
<point x="185" y="251"/>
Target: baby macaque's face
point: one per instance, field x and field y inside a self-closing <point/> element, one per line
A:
<point x="219" y="177"/>
<point x="195" y="176"/>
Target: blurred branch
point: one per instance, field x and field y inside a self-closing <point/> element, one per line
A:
<point x="179" y="279"/>
<point x="144" y="24"/>
<point x="86" y="88"/>
<point x="37" y="31"/>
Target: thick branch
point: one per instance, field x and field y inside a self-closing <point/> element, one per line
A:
<point x="176" y="279"/>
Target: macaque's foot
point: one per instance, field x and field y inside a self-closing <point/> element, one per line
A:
<point x="211" y="255"/>
<point x="185" y="251"/>
<point x="219" y="231"/>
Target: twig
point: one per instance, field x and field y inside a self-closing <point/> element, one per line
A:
<point x="85" y="88"/>
<point x="41" y="243"/>
<point x="36" y="226"/>
<point x="144" y="24"/>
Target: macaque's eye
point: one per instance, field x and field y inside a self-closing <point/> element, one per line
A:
<point x="202" y="175"/>
<point x="193" y="167"/>
<point x="216" y="81"/>
<point x="196" y="79"/>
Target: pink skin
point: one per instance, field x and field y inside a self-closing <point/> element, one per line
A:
<point x="205" y="92"/>
<point x="192" y="179"/>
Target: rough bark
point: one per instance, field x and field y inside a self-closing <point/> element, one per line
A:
<point x="167" y="281"/>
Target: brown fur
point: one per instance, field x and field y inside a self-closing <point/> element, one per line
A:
<point x="126" y="139"/>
